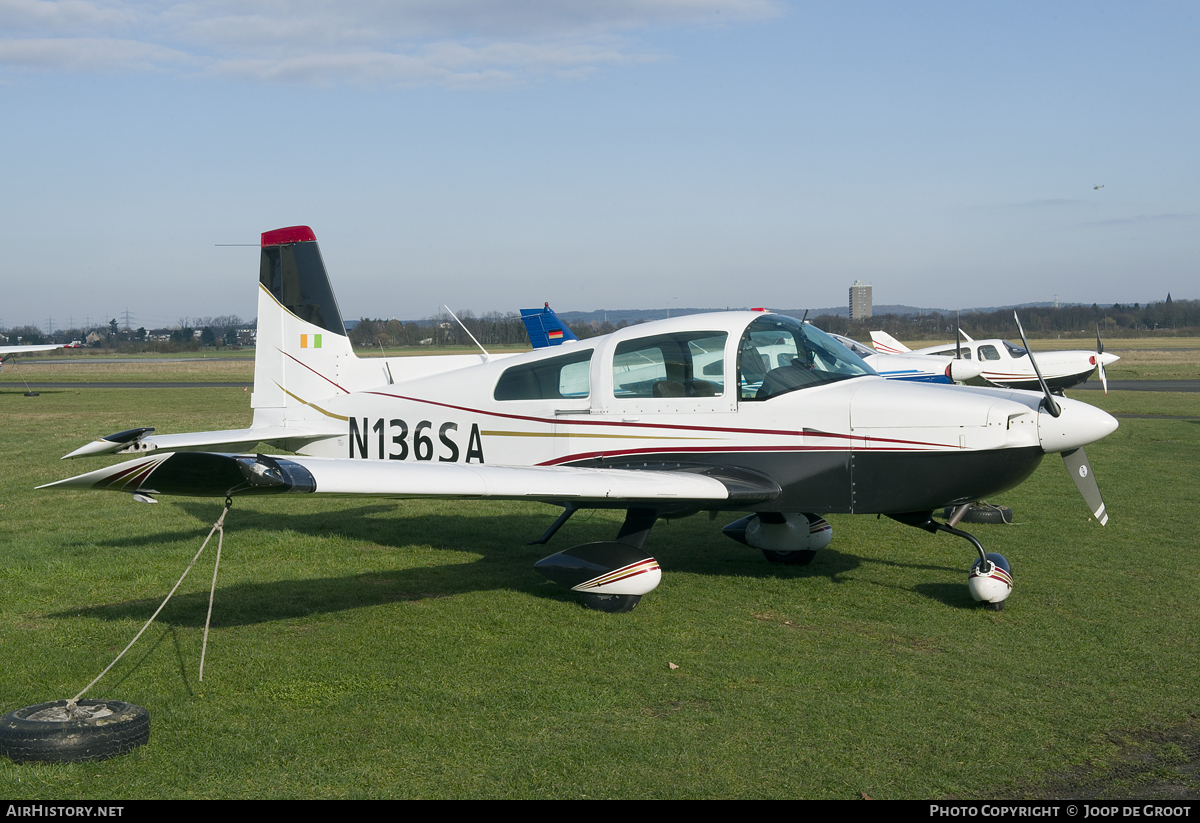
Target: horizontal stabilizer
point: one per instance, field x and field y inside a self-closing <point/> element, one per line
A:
<point x="140" y="441"/>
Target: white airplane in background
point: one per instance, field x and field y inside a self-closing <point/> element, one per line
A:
<point x="914" y="368"/>
<point x="1007" y="364"/>
<point x="743" y="411"/>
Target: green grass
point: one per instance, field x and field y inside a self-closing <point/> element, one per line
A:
<point x="371" y="648"/>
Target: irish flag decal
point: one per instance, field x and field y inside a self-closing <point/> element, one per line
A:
<point x="310" y="341"/>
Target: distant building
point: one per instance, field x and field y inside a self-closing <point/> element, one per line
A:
<point x="860" y="301"/>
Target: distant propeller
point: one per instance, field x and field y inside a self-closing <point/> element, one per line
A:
<point x="1100" y="360"/>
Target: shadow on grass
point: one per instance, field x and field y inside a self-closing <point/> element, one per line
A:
<point x="505" y="563"/>
<point x="244" y="604"/>
<point x="11" y="390"/>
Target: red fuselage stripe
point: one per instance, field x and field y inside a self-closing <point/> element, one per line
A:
<point x="623" y="424"/>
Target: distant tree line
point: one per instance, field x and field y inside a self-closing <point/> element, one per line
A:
<point x="1170" y="317"/>
<point x="191" y="334"/>
<point x="491" y="329"/>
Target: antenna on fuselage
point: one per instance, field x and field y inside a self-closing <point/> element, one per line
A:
<point x="486" y="356"/>
<point x="386" y="366"/>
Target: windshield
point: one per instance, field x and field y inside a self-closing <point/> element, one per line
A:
<point x="853" y="345"/>
<point x="780" y="354"/>
<point x="1014" y="350"/>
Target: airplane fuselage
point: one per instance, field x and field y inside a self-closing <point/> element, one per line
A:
<point x="859" y="444"/>
<point x="1007" y="364"/>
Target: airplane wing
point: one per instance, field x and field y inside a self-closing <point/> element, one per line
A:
<point x="5" y="350"/>
<point x="137" y="441"/>
<point x="205" y="474"/>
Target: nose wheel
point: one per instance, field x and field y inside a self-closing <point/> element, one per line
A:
<point x="990" y="581"/>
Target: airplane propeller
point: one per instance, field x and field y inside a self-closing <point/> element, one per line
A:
<point x="1080" y="469"/>
<point x="1100" y="360"/>
<point x="1048" y="403"/>
<point x="1085" y="424"/>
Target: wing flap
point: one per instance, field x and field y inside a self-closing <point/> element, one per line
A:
<point x="207" y="474"/>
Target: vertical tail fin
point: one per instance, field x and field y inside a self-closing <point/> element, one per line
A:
<point x="544" y="327"/>
<point x="885" y="343"/>
<point x="302" y="346"/>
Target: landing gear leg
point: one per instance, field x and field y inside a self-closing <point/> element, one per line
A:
<point x="568" y="510"/>
<point x="637" y="526"/>
<point x="990" y="579"/>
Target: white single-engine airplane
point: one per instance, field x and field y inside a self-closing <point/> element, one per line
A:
<point x="914" y="368"/>
<point x="736" y="411"/>
<point x="1008" y="365"/>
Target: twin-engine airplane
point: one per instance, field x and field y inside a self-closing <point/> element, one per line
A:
<point x="1008" y="365"/>
<point x="736" y="411"/>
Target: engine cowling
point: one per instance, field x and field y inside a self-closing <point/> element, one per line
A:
<point x="960" y="371"/>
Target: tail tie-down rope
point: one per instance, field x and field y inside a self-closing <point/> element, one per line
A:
<point x="218" y="529"/>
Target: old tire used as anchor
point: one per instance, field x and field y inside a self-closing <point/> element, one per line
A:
<point x="984" y="513"/>
<point x="91" y="730"/>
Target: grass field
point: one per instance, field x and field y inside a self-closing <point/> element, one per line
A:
<point x="371" y="648"/>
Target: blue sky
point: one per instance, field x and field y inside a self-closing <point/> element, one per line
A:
<point x="494" y="154"/>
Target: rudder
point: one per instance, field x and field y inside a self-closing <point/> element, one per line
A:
<point x="303" y="353"/>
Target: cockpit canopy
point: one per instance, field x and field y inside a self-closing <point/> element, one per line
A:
<point x="779" y="354"/>
<point x="986" y="350"/>
<point x="774" y="355"/>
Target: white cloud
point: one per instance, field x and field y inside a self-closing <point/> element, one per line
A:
<point x="61" y="17"/>
<point x="89" y="54"/>
<point x="314" y="42"/>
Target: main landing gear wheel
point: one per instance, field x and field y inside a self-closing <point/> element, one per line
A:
<point x="611" y="603"/>
<point x="609" y="576"/>
<point x="91" y="730"/>
<point x="796" y="558"/>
